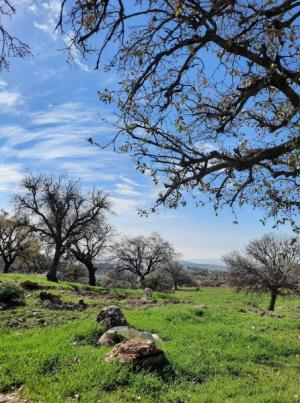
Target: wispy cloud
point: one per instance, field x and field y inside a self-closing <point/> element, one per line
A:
<point x="74" y="53"/>
<point x="89" y="171"/>
<point x="126" y="190"/>
<point x="65" y="113"/>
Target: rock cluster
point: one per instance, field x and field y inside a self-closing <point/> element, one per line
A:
<point x="140" y="350"/>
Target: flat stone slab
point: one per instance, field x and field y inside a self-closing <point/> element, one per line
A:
<point x="115" y="335"/>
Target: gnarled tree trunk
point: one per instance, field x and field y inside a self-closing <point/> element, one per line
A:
<point x="52" y="273"/>
<point x="273" y="301"/>
<point x="143" y="282"/>
<point x="92" y="274"/>
<point x="6" y="267"/>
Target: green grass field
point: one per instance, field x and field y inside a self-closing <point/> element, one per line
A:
<point x="225" y="352"/>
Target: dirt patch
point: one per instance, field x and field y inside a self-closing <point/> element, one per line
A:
<point x="53" y="301"/>
<point x="12" y="398"/>
<point x="33" y="286"/>
<point x="17" y="323"/>
<point x="139" y="303"/>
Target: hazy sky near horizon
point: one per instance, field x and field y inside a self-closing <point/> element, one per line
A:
<point x="48" y="109"/>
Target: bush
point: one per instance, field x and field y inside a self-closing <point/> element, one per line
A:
<point x="73" y="272"/>
<point x="11" y="295"/>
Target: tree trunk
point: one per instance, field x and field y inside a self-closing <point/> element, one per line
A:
<point x="175" y="285"/>
<point x="6" y="267"/>
<point x="92" y="275"/>
<point x="52" y="273"/>
<point x="143" y="282"/>
<point x="273" y="300"/>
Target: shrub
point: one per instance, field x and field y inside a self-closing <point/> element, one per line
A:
<point x="11" y="295"/>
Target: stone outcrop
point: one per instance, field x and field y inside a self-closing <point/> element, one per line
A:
<point x="111" y="316"/>
<point x="138" y="352"/>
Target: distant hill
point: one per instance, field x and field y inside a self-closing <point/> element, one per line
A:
<point x="195" y="267"/>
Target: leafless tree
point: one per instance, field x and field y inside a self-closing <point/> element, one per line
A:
<point x="142" y="255"/>
<point x="209" y="95"/>
<point x="59" y="212"/>
<point x="16" y="240"/>
<point x="10" y="46"/>
<point x="176" y="271"/>
<point x="270" y="264"/>
<point x="91" y="245"/>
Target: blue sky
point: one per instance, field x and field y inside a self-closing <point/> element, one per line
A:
<point x="48" y="108"/>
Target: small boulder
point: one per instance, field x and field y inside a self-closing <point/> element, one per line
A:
<point x="138" y="352"/>
<point x="111" y="316"/>
<point x="148" y="292"/>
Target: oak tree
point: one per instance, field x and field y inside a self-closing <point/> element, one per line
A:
<point x="142" y="255"/>
<point x="270" y="264"/>
<point x="16" y="240"/>
<point x="59" y="212"/>
<point x="91" y="245"/>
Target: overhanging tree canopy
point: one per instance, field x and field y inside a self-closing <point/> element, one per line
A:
<point x="209" y="98"/>
<point x="10" y="45"/>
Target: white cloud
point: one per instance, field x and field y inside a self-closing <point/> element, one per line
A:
<point x="48" y="18"/>
<point x="3" y="83"/>
<point x="48" y="29"/>
<point x="10" y="176"/>
<point x="53" y="7"/>
<point x="121" y="206"/>
<point x="32" y="8"/>
<point x="10" y="99"/>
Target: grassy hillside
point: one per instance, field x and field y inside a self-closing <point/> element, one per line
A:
<point x="229" y="351"/>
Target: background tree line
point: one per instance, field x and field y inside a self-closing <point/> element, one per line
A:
<point x="55" y="228"/>
<point x="58" y="230"/>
